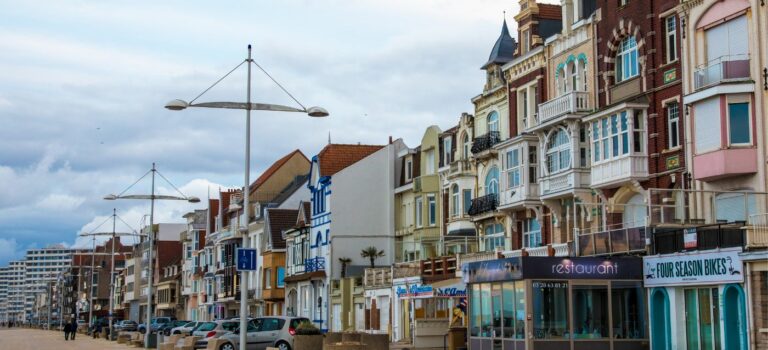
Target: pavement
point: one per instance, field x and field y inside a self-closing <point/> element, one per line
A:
<point x="34" y="339"/>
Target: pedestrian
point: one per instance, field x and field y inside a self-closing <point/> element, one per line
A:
<point x="67" y="330"/>
<point x="73" y="328"/>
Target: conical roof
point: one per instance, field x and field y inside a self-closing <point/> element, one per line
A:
<point x="504" y="49"/>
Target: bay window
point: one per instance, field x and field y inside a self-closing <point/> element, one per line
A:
<point x="466" y="200"/>
<point x="455" y="200"/>
<point x="558" y="151"/>
<point x="738" y="124"/>
<point x="513" y="168"/>
<point x="626" y="60"/>
<point x="617" y="135"/>
<point x="533" y="158"/>
<point x="494" y="237"/>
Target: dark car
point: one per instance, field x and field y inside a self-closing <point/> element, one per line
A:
<point x="166" y="328"/>
<point x="157" y="322"/>
<point x="126" y="326"/>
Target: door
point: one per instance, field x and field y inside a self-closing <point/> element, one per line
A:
<point x="733" y="318"/>
<point x="251" y="342"/>
<point x="660" y="321"/>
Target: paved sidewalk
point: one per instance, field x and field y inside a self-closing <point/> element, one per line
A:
<point x="32" y="339"/>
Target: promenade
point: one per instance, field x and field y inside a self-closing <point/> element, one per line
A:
<point x="35" y="339"/>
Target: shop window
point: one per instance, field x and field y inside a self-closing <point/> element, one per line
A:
<point x="550" y="305"/>
<point x="475" y="317"/>
<point x="485" y="311"/>
<point x="590" y="312"/>
<point x="497" y="309"/>
<point x="702" y="318"/>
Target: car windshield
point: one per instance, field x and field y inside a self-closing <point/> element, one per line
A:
<point x="205" y="327"/>
<point x="230" y="326"/>
<point x="189" y="324"/>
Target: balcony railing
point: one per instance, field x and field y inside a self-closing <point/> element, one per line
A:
<point x="314" y="264"/>
<point x="757" y="231"/>
<point x="377" y="277"/>
<point x="725" y="68"/>
<point x="667" y="241"/>
<point x="485" y="142"/>
<point x="572" y="102"/>
<point x="563" y="181"/>
<point x="632" y="167"/>
<point x="484" y="204"/>
<point x="459" y="166"/>
<point x="608" y="242"/>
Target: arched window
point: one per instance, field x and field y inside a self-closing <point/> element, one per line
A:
<point x="319" y="239"/>
<point x="558" y="151"/>
<point x="492" y="181"/>
<point x="626" y="59"/>
<point x="455" y="200"/>
<point x="575" y="84"/>
<point x="467" y="145"/>
<point x="493" y="121"/>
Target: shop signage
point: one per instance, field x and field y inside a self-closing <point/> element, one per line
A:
<point x="450" y="292"/>
<point x="689" y="238"/>
<point x="427" y="291"/>
<point x="582" y="268"/>
<point x="493" y="270"/>
<point x="693" y="269"/>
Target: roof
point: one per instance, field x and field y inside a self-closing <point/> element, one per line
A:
<point x="335" y="157"/>
<point x="279" y="220"/>
<point x="504" y="49"/>
<point x="306" y="210"/>
<point x="273" y="168"/>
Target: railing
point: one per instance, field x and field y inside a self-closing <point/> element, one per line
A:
<point x="757" y="231"/>
<point x="607" y="242"/>
<point x="667" y="241"/>
<point x="623" y="168"/>
<point x="377" y="277"/>
<point x="295" y="269"/>
<point x="731" y="67"/>
<point x="444" y="267"/>
<point x="459" y="166"/>
<point x="485" y="142"/>
<point x="561" y="249"/>
<point x="475" y="257"/>
<point x="572" y="102"/>
<point x="696" y="207"/>
<point x="314" y="264"/>
<point x="538" y="251"/>
<point x="483" y="204"/>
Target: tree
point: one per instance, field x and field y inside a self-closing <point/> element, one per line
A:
<point x="372" y="253"/>
<point x="344" y="262"/>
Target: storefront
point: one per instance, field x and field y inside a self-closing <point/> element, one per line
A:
<point x="425" y="312"/>
<point x="697" y="300"/>
<point x="556" y="303"/>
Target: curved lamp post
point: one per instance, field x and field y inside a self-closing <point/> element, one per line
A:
<point x="151" y="237"/>
<point x="248" y="106"/>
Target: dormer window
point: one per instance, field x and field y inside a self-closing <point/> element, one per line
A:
<point x="447" y="150"/>
<point x="408" y="169"/>
<point x="467" y="146"/>
<point x="626" y="60"/>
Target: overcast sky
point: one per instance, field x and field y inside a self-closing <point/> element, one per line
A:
<point x="83" y="84"/>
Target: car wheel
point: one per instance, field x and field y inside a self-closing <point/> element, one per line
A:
<point x="176" y="332"/>
<point x="142" y="330"/>
<point x="283" y="346"/>
<point x="227" y="346"/>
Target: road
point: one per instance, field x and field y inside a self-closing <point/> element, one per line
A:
<point x="31" y="339"/>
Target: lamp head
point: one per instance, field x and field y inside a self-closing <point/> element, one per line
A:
<point x="177" y="105"/>
<point x="317" y="112"/>
<point x="110" y="197"/>
<point x="193" y="200"/>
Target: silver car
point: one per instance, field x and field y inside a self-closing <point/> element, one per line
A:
<point x="264" y="332"/>
<point x="211" y="330"/>
<point x="186" y="329"/>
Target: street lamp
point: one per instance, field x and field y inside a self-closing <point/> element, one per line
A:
<point x="248" y="106"/>
<point x="151" y="237"/>
<point x="114" y="234"/>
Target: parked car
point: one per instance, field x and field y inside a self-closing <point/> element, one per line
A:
<point x="263" y="332"/>
<point x="166" y="328"/>
<point x="156" y="323"/>
<point x="212" y="330"/>
<point x="126" y="326"/>
<point x="186" y="329"/>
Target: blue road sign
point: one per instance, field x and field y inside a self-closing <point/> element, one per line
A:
<point x="246" y="259"/>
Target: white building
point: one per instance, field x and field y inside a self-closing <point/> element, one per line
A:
<point x="42" y="266"/>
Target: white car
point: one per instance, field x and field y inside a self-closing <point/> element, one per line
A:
<point x="186" y="329"/>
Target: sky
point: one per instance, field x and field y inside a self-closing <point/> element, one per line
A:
<point x="83" y="85"/>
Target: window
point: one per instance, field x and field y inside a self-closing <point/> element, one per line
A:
<point x="583" y="67"/>
<point x="280" y="277"/>
<point x="447" y="150"/>
<point x="626" y="60"/>
<point x="467" y="145"/>
<point x="432" y="209"/>
<point x="531" y="233"/>
<point x="727" y="41"/>
<point x="673" y="125"/>
<point x="558" y="151"/>
<point x="419" y="212"/>
<point x="590" y="312"/>
<point x="408" y="169"/>
<point x="628" y="309"/>
<point x="533" y="158"/>
<point x="550" y="304"/>
<point x="493" y="122"/>
<point x="623" y="2"/>
<point x="267" y="278"/>
<point x="738" y="124"/>
<point x="671" y="41"/>
<point x="430" y="159"/>
<point x="702" y="318"/>
<point x="513" y="168"/>
<point x="455" y="200"/>
<point x="574" y="76"/>
<point x="467" y="200"/>
<point x="611" y="135"/>
<point x="526" y="41"/>
<point x="494" y="237"/>
<point x="706" y="124"/>
<point x="492" y="181"/>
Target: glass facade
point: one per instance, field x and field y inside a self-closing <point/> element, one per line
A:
<point x="497" y="310"/>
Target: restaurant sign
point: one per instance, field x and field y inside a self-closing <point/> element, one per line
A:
<point x="693" y="269"/>
<point x="553" y="268"/>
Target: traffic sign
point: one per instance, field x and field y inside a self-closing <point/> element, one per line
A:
<point x="246" y="259"/>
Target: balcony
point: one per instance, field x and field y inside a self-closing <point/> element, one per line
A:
<point x="377" y="277"/>
<point x="668" y="241"/>
<point x="460" y="167"/>
<point x="485" y="142"/>
<point x="611" y="242"/>
<point x="552" y="185"/>
<point x="615" y="171"/>
<point x="515" y="197"/>
<point x="557" y="249"/>
<point x="438" y="268"/>
<point x="757" y="231"/>
<point x="314" y="264"/>
<point x="724" y="163"/>
<point x="570" y="103"/>
<point x="720" y="70"/>
<point x="483" y="204"/>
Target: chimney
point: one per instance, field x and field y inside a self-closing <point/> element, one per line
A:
<point x="390" y="139"/>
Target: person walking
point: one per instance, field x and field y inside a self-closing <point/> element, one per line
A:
<point x="67" y="329"/>
<point x="73" y="328"/>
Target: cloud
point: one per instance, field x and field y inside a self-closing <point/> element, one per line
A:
<point x="9" y="251"/>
